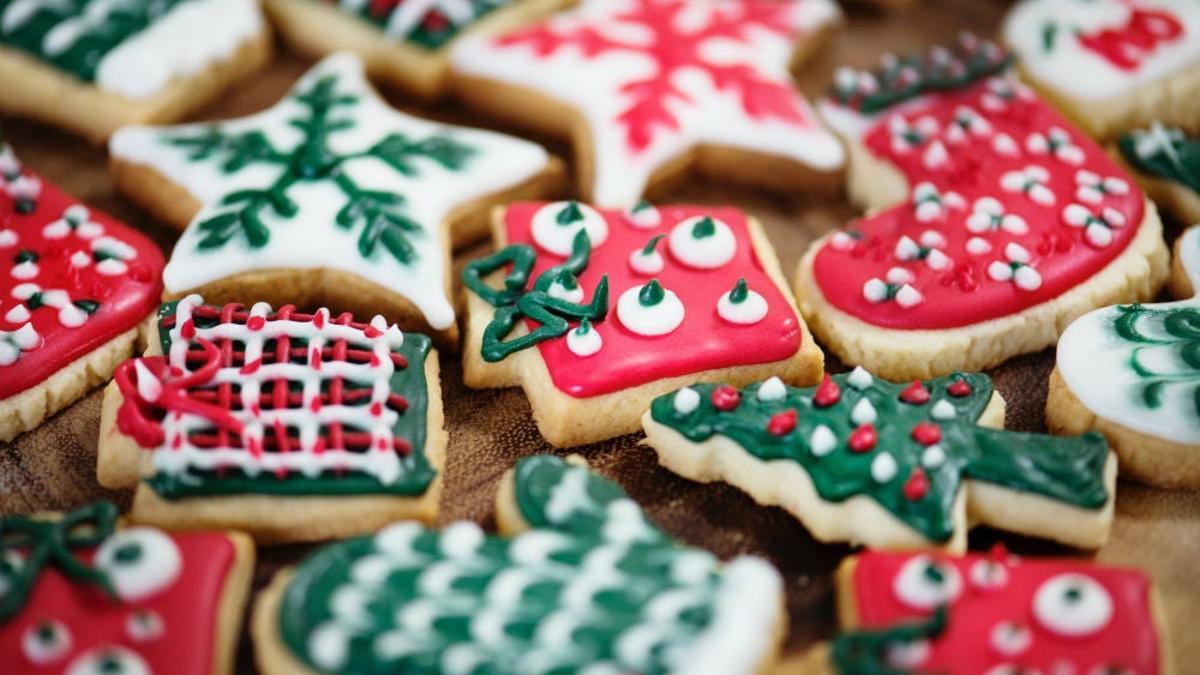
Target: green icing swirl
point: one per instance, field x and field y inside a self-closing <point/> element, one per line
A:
<point x="1175" y="329"/>
<point x="1164" y="153"/>
<point x="436" y="27"/>
<point x="1065" y="469"/>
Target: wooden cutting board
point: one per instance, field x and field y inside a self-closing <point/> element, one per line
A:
<point x="1157" y="531"/>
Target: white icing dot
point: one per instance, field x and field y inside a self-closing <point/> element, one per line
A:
<point x="1010" y="639"/>
<point x="988" y="574"/>
<point x="823" y="441"/>
<point x="863" y="412"/>
<point x="461" y="539"/>
<point x="978" y="246"/>
<point x="860" y="379"/>
<point x="908" y="296"/>
<point x="45" y="642"/>
<point x="875" y="291"/>
<point x="693" y="245"/>
<point x="18" y="314"/>
<point x="584" y="344"/>
<point x="139" y="562"/>
<point x="81" y="259"/>
<point x="924" y="583"/>
<point x="108" y="659"/>
<point x="643" y="216"/>
<point x="25" y="271"/>
<point x="396" y="540"/>
<point x="557" y="237"/>
<point x="647" y="264"/>
<point x="144" y="625"/>
<point x="1027" y="278"/>
<point x="883" y="467"/>
<point x="653" y="320"/>
<point x="71" y="316"/>
<point x="111" y="267"/>
<point x="772" y="389"/>
<point x="908" y="655"/>
<point x="328" y="646"/>
<point x="899" y="275"/>
<point x="686" y="400"/>
<point x="933" y="457"/>
<point x="558" y="290"/>
<point x="749" y="311"/>
<point x="943" y="410"/>
<point x="8" y="238"/>
<point x="1072" y="605"/>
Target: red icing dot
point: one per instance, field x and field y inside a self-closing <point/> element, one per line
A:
<point x="725" y="398"/>
<point x="828" y="393"/>
<point x="376" y="409"/>
<point x="371" y="331"/>
<point x="782" y="423"/>
<point x="959" y="389"/>
<point x="255" y="323"/>
<point x="927" y="433"/>
<point x="917" y="485"/>
<point x="251" y="367"/>
<point x="315" y="405"/>
<point x="863" y="438"/>
<point x="188" y="329"/>
<point x="916" y="394"/>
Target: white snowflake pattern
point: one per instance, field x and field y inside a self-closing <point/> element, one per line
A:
<point x="930" y="249"/>
<point x="1016" y="268"/>
<point x="69" y="314"/>
<point x="932" y="204"/>
<point x="75" y="219"/>
<point x="1004" y="145"/>
<point x="1032" y="182"/>
<point x="988" y="215"/>
<point x="1092" y="188"/>
<point x="1097" y="225"/>
<point x="1056" y="142"/>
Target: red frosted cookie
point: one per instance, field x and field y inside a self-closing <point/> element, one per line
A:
<point x="75" y="287"/>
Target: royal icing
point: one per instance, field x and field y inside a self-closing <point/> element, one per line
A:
<point x="1102" y="49"/>
<point x="857" y="435"/>
<point x="134" y="48"/>
<point x="331" y="177"/>
<point x="1164" y="153"/>
<point x="917" y="612"/>
<point x="991" y="229"/>
<point x="1138" y="365"/>
<point x="278" y="402"/>
<point x="429" y="24"/>
<point x="79" y="600"/>
<point x="591" y="587"/>
<point x="667" y="325"/>
<point x="654" y="79"/>
<point x="71" y="279"/>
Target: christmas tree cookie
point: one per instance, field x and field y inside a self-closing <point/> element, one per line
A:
<point x="82" y="594"/>
<point x="578" y="581"/>
<point x="1132" y="372"/>
<point x="994" y="613"/>
<point x="993" y="221"/>
<point x="93" y="66"/>
<point x="885" y="465"/>
<point x="286" y="425"/>
<point x="1166" y="162"/>
<point x="648" y="89"/>
<point x="75" y="288"/>
<point x="404" y="42"/>
<point x="330" y="198"/>
<point x="1111" y="65"/>
<point x="597" y="311"/>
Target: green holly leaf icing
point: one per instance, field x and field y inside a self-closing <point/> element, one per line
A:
<point x="918" y="480"/>
<point x="592" y="584"/>
<point x="1164" y="153"/>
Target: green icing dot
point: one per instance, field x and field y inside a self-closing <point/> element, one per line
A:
<point x="642" y="206"/>
<point x="89" y="306"/>
<point x="26" y="256"/>
<point x="585" y="327"/>
<point x="571" y="213"/>
<point x="128" y="553"/>
<point x="1073" y="594"/>
<point x="704" y="228"/>
<point x="651" y="294"/>
<point x="740" y="292"/>
<point x="934" y="574"/>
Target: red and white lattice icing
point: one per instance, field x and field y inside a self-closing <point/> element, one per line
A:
<point x="1009" y="207"/>
<point x="71" y="278"/>
<point x="235" y="390"/>
<point x="655" y="78"/>
<point x="1035" y="615"/>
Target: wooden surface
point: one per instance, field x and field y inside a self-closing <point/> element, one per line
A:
<point x="1158" y="531"/>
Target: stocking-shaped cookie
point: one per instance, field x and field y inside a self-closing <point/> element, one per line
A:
<point x="79" y="595"/>
<point x="1111" y="65"/>
<point x="995" y="613"/>
<point x="648" y="88"/>
<point x="888" y="465"/>
<point x="75" y="287"/>
<point x="1132" y="372"/>
<point x="289" y="426"/>
<point x="578" y="582"/>
<point x="595" y="312"/>
<point x="997" y="222"/>
<point x="330" y="198"/>
<point x="1166" y="161"/>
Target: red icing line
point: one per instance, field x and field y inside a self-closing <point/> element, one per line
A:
<point x="1129" y="640"/>
<point x="963" y="293"/>
<point x="704" y="341"/>
<point x="188" y="609"/>
<point x="1128" y="46"/>
<point x="125" y="300"/>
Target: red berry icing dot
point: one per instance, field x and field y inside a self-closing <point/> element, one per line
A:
<point x="915" y="394"/>
<point x="917" y="485"/>
<point x="782" y="423"/>
<point x="828" y="393"/>
<point x="959" y="389"/>
<point x="863" y="438"/>
<point x="927" y="433"/>
<point x="725" y="398"/>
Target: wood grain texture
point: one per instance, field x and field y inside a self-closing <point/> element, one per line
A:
<point x="1159" y="531"/>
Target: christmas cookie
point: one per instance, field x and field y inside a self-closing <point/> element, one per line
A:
<point x="1132" y="372"/>
<point x="1111" y="65"/>
<point x="286" y="425"/>
<point x="82" y="595"/>
<point x="595" y="311"/>
<point x="648" y="89"/>
<point x="1166" y="162"/>
<point x="75" y="289"/>
<point x="993" y="221"/>
<point x="578" y="581"/>
<point x="405" y="42"/>
<point x="995" y="613"/>
<point x="330" y="198"/>
<point x="93" y="66"/>
<point x="888" y="465"/>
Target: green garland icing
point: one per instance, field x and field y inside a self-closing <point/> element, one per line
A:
<point x="379" y="214"/>
<point x="417" y="472"/>
<point x="1175" y="328"/>
<point x="1164" y="153"/>
<point x="435" y="29"/>
<point x="411" y="600"/>
<point x="28" y="545"/>
<point x="1065" y="469"/>
<point x="865" y="652"/>
<point x="514" y="300"/>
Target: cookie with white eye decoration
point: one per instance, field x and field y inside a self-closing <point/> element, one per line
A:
<point x="577" y="581"/>
<point x="1111" y="65"/>
<point x="1132" y="372"/>
<point x="594" y="312"/>
<point x="82" y="595"/>
<point x="1166" y="161"/>
<point x="919" y="612"/>
<point x="93" y="66"/>
<point x="889" y="466"/>
<point x="330" y="198"/>
<point x="286" y="425"/>
<point x="993" y="222"/>
<point x="76" y="288"/>
<point x="647" y="89"/>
